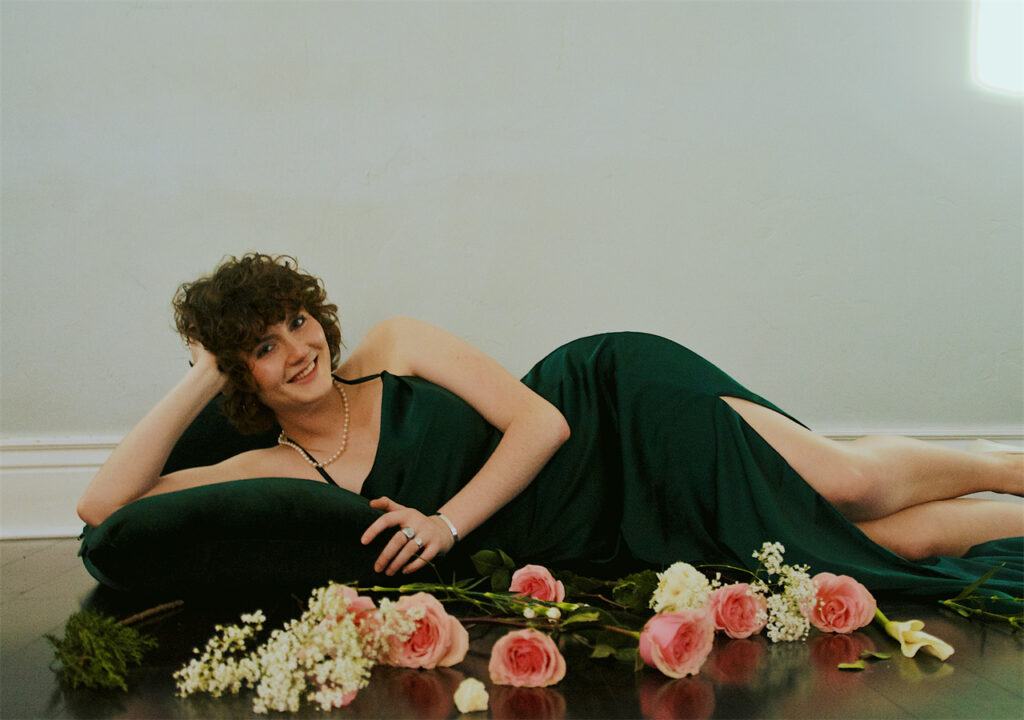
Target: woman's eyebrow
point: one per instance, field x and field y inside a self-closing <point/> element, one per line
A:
<point x="269" y="335"/>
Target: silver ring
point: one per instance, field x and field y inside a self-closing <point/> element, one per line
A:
<point x="418" y="541"/>
<point x="409" y="533"/>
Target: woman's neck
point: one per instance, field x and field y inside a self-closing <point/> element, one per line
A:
<point x="316" y="426"/>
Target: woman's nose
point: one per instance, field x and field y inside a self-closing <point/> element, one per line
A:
<point x="296" y="350"/>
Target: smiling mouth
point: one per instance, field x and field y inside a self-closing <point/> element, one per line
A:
<point x="306" y="371"/>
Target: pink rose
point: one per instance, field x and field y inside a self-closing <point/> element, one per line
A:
<point x="439" y="638"/>
<point x="536" y="582"/>
<point x="526" y="658"/>
<point x="841" y="604"/>
<point x="677" y="643"/>
<point x="364" y="613"/>
<point x="737" y="611"/>
<point x="359" y="606"/>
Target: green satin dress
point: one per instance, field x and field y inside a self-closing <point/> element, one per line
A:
<point x="658" y="469"/>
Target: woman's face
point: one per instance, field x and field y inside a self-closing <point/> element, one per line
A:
<point x="292" y="362"/>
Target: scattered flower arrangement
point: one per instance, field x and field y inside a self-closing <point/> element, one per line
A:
<point x="326" y="655"/>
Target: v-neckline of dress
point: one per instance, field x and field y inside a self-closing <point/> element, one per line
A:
<point x="383" y="374"/>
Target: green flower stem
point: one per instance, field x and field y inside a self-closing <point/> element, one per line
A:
<point x="499" y="601"/>
<point x="621" y="631"/>
<point x="733" y="568"/>
<point x="602" y="598"/>
<point x="491" y="620"/>
<point x="550" y="625"/>
<point x="1016" y="621"/>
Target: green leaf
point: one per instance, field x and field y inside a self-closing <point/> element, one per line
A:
<point x="579" y="584"/>
<point x="486" y="562"/>
<point x="506" y="562"/>
<point x="859" y="665"/>
<point x="501" y="579"/>
<point x="969" y="590"/>
<point x="497" y="566"/>
<point x="868" y="655"/>
<point x="629" y="654"/>
<point x="582" y="617"/>
<point x="603" y="651"/>
<point x="634" y="591"/>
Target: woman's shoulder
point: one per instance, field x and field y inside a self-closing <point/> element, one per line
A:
<point x="387" y="347"/>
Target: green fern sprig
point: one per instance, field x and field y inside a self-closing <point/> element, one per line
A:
<point x="97" y="650"/>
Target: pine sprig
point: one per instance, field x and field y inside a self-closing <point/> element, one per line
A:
<point x="97" y="650"/>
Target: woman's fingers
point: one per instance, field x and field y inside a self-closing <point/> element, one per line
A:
<point x="384" y="521"/>
<point x="384" y="503"/>
<point x="410" y="547"/>
<point x="417" y="539"/>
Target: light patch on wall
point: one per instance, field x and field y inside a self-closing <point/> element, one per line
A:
<point x="998" y="45"/>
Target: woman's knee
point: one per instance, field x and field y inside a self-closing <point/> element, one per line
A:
<point x="909" y="542"/>
<point x="869" y="487"/>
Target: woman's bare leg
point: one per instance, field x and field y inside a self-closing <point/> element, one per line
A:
<point x="946" y="527"/>
<point x="877" y="476"/>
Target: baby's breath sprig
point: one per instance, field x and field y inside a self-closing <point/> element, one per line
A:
<point x="786" y="589"/>
<point x="324" y="656"/>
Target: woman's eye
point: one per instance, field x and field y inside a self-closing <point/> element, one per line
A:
<point x="263" y="349"/>
<point x="298" y="322"/>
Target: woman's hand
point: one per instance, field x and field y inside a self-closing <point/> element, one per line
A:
<point x="204" y="361"/>
<point x="431" y="537"/>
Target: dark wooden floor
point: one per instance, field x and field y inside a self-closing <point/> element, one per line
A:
<point x="43" y="582"/>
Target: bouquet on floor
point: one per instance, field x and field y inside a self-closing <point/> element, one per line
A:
<point x="665" y="620"/>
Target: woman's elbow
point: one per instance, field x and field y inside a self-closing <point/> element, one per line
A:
<point x="92" y="512"/>
<point x="560" y="430"/>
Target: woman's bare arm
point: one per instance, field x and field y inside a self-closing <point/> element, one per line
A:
<point x="133" y="469"/>
<point x="532" y="431"/>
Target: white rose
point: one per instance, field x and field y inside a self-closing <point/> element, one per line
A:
<point x="471" y="696"/>
<point x="681" y="587"/>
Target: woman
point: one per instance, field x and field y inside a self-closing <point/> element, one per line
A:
<point x="683" y="459"/>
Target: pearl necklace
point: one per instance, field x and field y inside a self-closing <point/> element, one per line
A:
<point x="283" y="440"/>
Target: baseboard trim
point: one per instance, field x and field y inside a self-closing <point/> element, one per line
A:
<point x="41" y="479"/>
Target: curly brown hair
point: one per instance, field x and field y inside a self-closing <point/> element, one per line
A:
<point x="228" y="311"/>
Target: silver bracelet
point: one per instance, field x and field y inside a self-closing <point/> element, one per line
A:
<point x="455" y="533"/>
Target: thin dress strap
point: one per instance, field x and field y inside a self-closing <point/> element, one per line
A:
<point x="363" y="379"/>
<point x="312" y="461"/>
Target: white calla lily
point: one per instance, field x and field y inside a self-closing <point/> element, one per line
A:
<point x="911" y="639"/>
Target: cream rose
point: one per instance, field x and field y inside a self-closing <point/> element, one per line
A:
<point x="681" y="587"/>
<point x="471" y="696"/>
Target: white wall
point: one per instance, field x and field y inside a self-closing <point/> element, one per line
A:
<point x="812" y="194"/>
